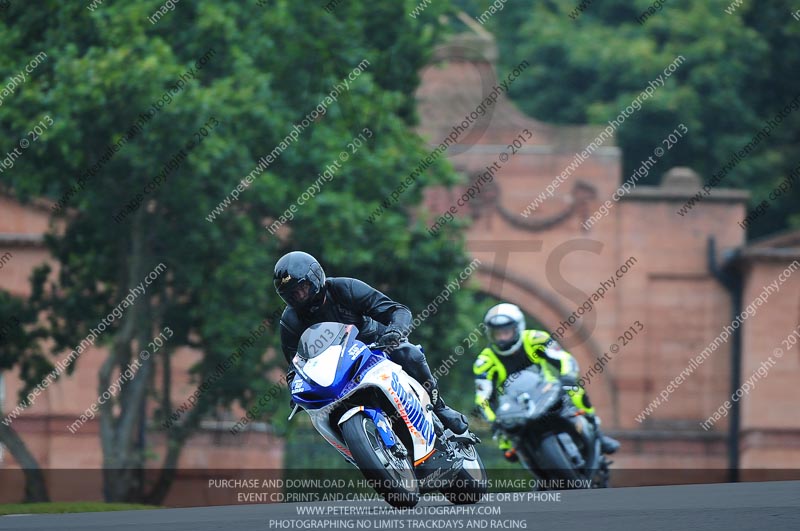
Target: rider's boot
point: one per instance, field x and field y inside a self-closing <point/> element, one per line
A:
<point x="608" y="445"/>
<point x="451" y="419"/>
<point x="509" y="452"/>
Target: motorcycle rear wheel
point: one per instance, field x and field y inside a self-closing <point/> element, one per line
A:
<point x="470" y="483"/>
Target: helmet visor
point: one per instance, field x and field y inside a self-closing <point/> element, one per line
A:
<point x="297" y="294"/>
<point x="503" y="335"/>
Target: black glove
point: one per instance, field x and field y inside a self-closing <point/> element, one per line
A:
<point x="391" y="338"/>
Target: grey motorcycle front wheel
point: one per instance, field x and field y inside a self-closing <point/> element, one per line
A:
<point x="552" y="459"/>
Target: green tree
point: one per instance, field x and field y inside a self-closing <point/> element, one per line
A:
<point x="738" y="73"/>
<point x="268" y="68"/>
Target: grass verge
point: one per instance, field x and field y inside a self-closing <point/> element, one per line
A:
<point x="70" y="507"/>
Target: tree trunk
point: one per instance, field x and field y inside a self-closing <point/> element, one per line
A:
<point x="176" y="439"/>
<point x="177" y="434"/>
<point x="121" y="459"/>
<point x="35" y="486"/>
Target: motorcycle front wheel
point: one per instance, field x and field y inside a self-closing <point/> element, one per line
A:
<point x="552" y="459"/>
<point x="391" y="476"/>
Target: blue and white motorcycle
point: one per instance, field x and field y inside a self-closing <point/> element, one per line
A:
<point x="381" y="420"/>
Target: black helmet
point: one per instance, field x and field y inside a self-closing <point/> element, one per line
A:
<point x="299" y="280"/>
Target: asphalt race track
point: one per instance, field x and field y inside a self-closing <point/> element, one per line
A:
<point x="723" y="507"/>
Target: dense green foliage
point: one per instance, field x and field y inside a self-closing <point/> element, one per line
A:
<point x="740" y="70"/>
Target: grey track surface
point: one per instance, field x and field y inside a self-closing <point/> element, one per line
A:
<point x="723" y="507"/>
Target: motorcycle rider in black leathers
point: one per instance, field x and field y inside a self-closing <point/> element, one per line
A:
<point x="312" y="298"/>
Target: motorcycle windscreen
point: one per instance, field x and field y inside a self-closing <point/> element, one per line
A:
<point x="527" y="394"/>
<point x="320" y="351"/>
<point x="322" y="369"/>
<point x="318" y="337"/>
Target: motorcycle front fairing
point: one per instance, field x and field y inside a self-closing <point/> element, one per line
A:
<point x="526" y="397"/>
<point x="327" y="360"/>
<point x="332" y="364"/>
<point x="532" y="408"/>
